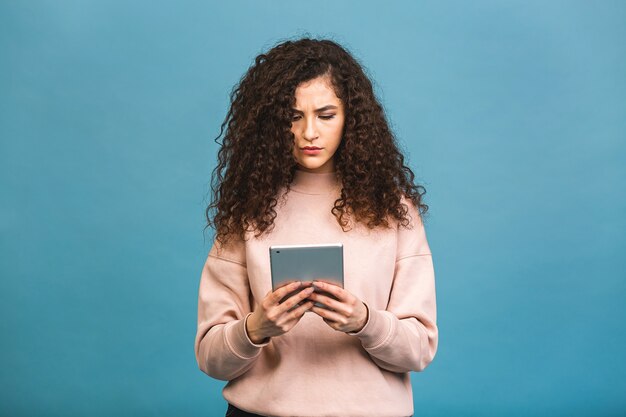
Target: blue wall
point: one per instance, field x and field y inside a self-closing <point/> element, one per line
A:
<point x="513" y="115"/>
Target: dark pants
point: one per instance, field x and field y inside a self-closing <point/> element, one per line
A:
<point x="233" y="411"/>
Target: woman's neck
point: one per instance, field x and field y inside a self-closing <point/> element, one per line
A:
<point x="315" y="183"/>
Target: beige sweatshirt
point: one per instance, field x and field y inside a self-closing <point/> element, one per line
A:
<point x="314" y="370"/>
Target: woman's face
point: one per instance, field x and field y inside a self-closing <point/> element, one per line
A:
<point x="317" y="125"/>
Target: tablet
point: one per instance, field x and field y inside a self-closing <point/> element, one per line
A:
<point x="306" y="263"/>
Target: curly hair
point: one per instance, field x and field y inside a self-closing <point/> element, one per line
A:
<point x="256" y="162"/>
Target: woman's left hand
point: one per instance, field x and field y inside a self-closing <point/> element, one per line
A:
<point x="345" y="314"/>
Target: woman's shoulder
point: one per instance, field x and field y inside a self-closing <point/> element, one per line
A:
<point x="411" y="233"/>
<point x="232" y="249"/>
<point x="412" y="214"/>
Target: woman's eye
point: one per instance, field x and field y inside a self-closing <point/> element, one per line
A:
<point x="296" y="117"/>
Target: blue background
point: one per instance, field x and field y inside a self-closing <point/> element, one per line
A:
<point x="513" y="115"/>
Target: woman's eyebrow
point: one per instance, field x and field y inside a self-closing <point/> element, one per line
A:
<point x="321" y="109"/>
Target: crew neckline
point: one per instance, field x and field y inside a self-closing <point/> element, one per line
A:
<point x="314" y="183"/>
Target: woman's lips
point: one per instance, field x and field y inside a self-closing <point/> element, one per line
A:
<point x="311" y="150"/>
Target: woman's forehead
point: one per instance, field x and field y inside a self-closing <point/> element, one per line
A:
<point x="316" y="92"/>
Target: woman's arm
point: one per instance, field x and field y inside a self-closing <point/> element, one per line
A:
<point x="230" y="336"/>
<point x="222" y="347"/>
<point x="404" y="336"/>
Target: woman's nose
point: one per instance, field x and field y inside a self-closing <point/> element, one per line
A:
<point x="310" y="130"/>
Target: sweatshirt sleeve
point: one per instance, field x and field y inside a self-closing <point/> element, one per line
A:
<point x="222" y="346"/>
<point x="404" y="336"/>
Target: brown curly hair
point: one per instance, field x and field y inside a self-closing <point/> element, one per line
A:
<point x="256" y="161"/>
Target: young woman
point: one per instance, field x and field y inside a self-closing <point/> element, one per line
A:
<point x="308" y="158"/>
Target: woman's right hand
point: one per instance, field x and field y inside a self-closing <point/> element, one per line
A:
<point x="273" y="318"/>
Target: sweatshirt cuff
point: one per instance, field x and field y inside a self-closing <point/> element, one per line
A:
<point x="377" y="329"/>
<point x="239" y="341"/>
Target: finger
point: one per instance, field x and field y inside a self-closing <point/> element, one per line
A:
<point x="295" y="299"/>
<point x="329" y="315"/>
<point x="335" y="290"/>
<point x="332" y="324"/>
<point x="331" y="303"/>
<point x="298" y="312"/>
<point x="280" y="293"/>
